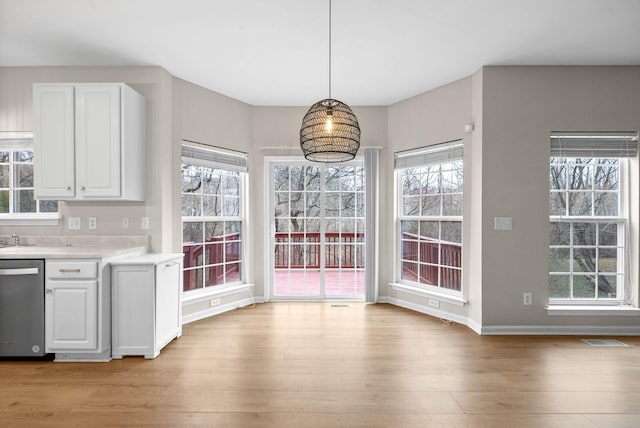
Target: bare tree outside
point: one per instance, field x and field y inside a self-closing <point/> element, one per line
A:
<point x="211" y="227"/>
<point x="431" y="225"/>
<point x="318" y="212"/>
<point x="16" y="185"/>
<point x="584" y="242"/>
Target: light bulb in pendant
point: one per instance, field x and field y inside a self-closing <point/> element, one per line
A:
<point x="328" y="125"/>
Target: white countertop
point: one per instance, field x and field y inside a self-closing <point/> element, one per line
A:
<point x="75" y="247"/>
<point x="71" y="252"/>
<point x="148" y="259"/>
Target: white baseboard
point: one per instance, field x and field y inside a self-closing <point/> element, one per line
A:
<point x="523" y="330"/>
<point x="474" y="326"/>
<point x="517" y="330"/>
<point x="220" y="309"/>
<point x="427" y="310"/>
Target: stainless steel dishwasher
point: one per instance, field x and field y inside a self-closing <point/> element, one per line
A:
<point x="22" y="308"/>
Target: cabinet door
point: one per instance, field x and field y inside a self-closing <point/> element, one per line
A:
<point x="71" y="315"/>
<point x="53" y="142"/>
<point x="132" y="308"/>
<point x="98" y="141"/>
<point x="167" y="301"/>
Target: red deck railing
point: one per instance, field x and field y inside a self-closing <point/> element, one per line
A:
<point x="420" y="261"/>
<point x="218" y="255"/>
<point x="342" y="250"/>
<point x="302" y="250"/>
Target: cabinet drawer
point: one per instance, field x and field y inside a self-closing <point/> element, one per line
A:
<point x="66" y="270"/>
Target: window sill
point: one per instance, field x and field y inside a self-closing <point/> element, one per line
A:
<point x="443" y="297"/>
<point x="620" y="311"/>
<point x="51" y="219"/>
<point x="197" y="296"/>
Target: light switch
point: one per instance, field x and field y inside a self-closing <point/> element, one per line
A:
<point x="502" y="223"/>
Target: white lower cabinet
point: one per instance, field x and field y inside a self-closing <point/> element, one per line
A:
<point x="75" y="311"/>
<point x="73" y="315"/>
<point x="146" y="307"/>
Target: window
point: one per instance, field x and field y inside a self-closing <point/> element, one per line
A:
<point x="16" y="179"/>
<point x="430" y="211"/>
<point x="213" y="183"/>
<point x="588" y="241"/>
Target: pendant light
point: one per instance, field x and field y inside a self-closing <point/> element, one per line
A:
<point x="330" y="130"/>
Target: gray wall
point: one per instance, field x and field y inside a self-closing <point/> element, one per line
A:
<point x="209" y="118"/>
<point x="514" y="109"/>
<point x="276" y="132"/>
<point x="521" y="106"/>
<point x="506" y="167"/>
<point x="16" y="114"/>
<point x="434" y="117"/>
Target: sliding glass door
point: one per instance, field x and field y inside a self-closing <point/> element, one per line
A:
<point x="317" y="224"/>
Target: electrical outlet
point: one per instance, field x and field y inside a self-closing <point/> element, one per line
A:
<point x="527" y="298"/>
<point x="435" y="303"/>
<point x="73" y="223"/>
<point x="214" y="302"/>
<point x="93" y="222"/>
<point x="125" y="222"/>
<point x="144" y="222"/>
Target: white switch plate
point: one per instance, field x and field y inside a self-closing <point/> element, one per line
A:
<point x="93" y="222"/>
<point x="502" y="223"/>
<point x="73" y="223"/>
<point x="144" y="222"/>
<point x="125" y="222"/>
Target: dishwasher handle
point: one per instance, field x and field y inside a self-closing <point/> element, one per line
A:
<point x="19" y="271"/>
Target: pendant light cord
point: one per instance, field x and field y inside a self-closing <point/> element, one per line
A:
<point x="329" y="48"/>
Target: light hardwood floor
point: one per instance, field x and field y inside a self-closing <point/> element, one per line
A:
<point x="318" y="365"/>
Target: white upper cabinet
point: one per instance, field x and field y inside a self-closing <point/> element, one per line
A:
<point x="88" y="142"/>
<point x="54" y="142"/>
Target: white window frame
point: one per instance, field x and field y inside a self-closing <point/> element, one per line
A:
<point x="431" y="155"/>
<point x="271" y="162"/>
<point x="226" y="160"/>
<point x="15" y="142"/>
<point x="593" y="145"/>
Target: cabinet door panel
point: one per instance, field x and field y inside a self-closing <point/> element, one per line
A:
<point x="167" y="301"/>
<point x="98" y="141"/>
<point x="71" y="312"/>
<point x="133" y="311"/>
<point x="54" y="141"/>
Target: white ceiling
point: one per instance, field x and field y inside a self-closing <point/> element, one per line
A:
<point x="275" y="52"/>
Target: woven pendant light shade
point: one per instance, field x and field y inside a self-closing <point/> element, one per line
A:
<point x="330" y="132"/>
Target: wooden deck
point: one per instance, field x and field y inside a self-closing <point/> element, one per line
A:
<point x="338" y="282"/>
